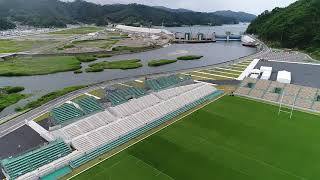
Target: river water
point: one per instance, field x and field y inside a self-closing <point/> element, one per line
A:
<point x="213" y="53"/>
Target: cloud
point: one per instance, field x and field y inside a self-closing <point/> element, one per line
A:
<point x="251" y="6"/>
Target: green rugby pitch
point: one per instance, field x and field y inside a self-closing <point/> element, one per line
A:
<point x="230" y="139"/>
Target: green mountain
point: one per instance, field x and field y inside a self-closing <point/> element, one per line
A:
<point x="240" y="16"/>
<point x="55" y="13"/>
<point x="296" y="26"/>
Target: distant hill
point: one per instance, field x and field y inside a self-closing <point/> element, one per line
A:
<point x="54" y="13"/>
<point x="240" y="16"/>
<point x="296" y="26"/>
<point x="173" y="10"/>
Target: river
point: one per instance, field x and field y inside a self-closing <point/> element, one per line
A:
<point x="213" y="53"/>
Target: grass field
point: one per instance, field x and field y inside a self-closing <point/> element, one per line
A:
<point x="119" y="64"/>
<point x="10" y="46"/>
<point x="230" y="139"/>
<point x="80" y="30"/>
<point x="27" y="66"/>
<point x="160" y="62"/>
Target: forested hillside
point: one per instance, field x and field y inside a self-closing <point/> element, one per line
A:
<point x="6" y="24"/>
<point x="54" y="13"/>
<point x="296" y="26"/>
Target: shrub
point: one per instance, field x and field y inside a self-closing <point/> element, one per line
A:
<point x="278" y="90"/>
<point x="191" y="57"/>
<point x="155" y="63"/>
<point x="11" y="90"/>
<point x="250" y="85"/>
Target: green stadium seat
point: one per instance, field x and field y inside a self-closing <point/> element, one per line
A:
<point x="123" y="95"/>
<point x="17" y="166"/>
<point x="65" y="113"/>
<point x="89" y="105"/>
<point x="166" y="82"/>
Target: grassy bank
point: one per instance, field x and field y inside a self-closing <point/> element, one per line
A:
<point x="161" y="62"/>
<point x="80" y="30"/>
<point x="190" y="57"/>
<point x="10" y="95"/>
<point x="48" y="97"/>
<point x="86" y="58"/>
<point x="8" y="100"/>
<point x="28" y="66"/>
<point x="121" y="64"/>
<point x="132" y="49"/>
<point x="11" y="46"/>
<point x="314" y="53"/>
<point x="247" y="140"/>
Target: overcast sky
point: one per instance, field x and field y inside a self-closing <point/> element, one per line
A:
<point x="251" y="6"/>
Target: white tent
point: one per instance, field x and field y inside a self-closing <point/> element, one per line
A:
<point x="265" y="68"/>
<point x="255" y="71"/>
<point x="266" y="75"/>
<point x="284" y="77"/>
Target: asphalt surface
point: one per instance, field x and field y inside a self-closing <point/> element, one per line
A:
<point x="301" y="74"/>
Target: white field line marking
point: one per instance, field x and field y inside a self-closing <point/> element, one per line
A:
<point x="147" y="164"/>
<point x="228" y="69"/>
<point x="214" y="74"/>
<point x="139" y="81"/>
<point x="192" y="111"/>
<point x="242" y="66"/>
<point x="225" y="148"/>
<point x="197" y="76"/>
<point x="124" y="85"/>
<point x="224" y="72"/>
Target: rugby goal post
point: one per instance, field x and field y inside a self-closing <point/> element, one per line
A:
<point x="285" y="109"/>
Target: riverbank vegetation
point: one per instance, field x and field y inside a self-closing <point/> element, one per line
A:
<point x="132" y="49"/>
<point x="120" y="64"/>
<point x="28" y="66"/>
<point x="86" y="58"/>
<point x="190" y="57"/>
<point x="296" y="26"/>
<point x="79" y="71"/>
<point x="48" y="97"/>
<point x="102" y="55"/>
<point x="10" y="95"/>
<point x="160" y="62"/>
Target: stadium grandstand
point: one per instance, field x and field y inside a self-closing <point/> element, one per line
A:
<point x="75" y="110"/>
<point x="120" y="96"/>
<point x="98" y="129"/>
<point x="16" y="166"/>
<point x="166" y="82"/>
